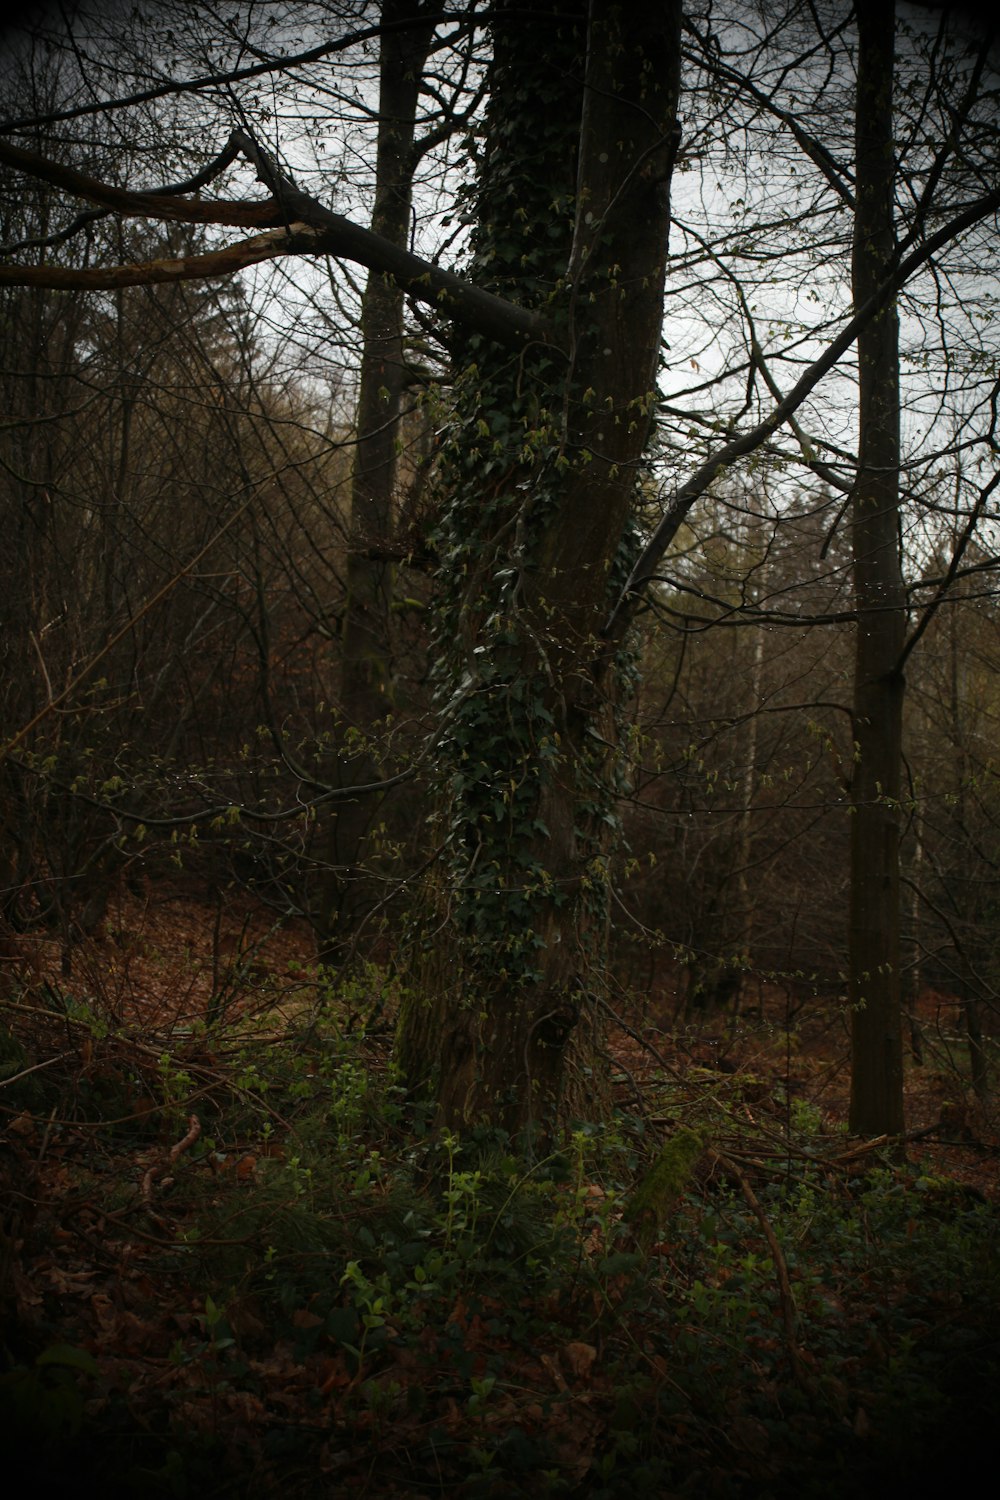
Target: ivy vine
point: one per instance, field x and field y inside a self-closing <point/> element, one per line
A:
<point x="502" y="470"/>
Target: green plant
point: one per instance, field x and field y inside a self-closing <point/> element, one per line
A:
<point x="373" y="1299"/>
<point x="176" y="1086"/>
<point x="43" y="1402"/>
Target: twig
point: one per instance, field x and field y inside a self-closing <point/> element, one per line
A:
<point x="788" y="1313"/>
<point x="35" y="1068"/>
<point x="864" y="1147"/>
<point x="48" y="1133"/>
<point x="637" y="1037"/>
<point x="193" y="1132"/>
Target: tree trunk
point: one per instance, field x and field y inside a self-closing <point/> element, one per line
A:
<point x="916" y="952"/>
<point x="874" y="937"/>
<point x="962" y="888"/>
<point x="545" y="469"/>
<point x="349" y="890"/>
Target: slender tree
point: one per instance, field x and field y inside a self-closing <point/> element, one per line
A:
<point x="874" y="980"/>
<point x="349" y="891"/>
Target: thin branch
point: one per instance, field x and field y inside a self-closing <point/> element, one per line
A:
<point x="119" y="635"/>
<point x="931" y="609"/>
<point x="307" y="228"/>
<point x="298" y="239"/>
<point x="194" y="184"/>
<point x="232" y="75"/>
<point x="152" y="203"/>
<point x="785" y="1295"/>
<point x="644" y="570"/>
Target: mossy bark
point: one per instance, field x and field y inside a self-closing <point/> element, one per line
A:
<point x="654" y="1198"/>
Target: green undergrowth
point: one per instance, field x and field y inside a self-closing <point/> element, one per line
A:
<point x="239" y="1263"/>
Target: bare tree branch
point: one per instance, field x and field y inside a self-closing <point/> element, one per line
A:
<point x="309" y="228"/>
<point x="645" y="568"/>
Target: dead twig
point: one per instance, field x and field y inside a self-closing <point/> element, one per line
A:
<point x="193" y="1132"/>
<point x="789" y="1316"/>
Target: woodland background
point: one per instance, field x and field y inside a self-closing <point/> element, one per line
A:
<point x="251" y="1238"/>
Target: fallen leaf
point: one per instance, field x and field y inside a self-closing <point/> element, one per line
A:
<point x="303" y="1318"/>
<point x="578" y="1359"/>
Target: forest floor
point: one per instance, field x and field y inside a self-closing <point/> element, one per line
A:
<point x="233" y="1261"/>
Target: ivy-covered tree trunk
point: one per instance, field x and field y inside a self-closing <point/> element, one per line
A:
<point x="874" y="937"/>
<point x="538" y="483"/>
<point x="349" y="891"/>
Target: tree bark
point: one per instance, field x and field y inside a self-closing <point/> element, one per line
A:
<point x="512" y="1038"/>
<point x="874" y="932"/>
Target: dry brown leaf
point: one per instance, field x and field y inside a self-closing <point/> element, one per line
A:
<point x="578" y="1359"/>
<point x="303" y="1318"/>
